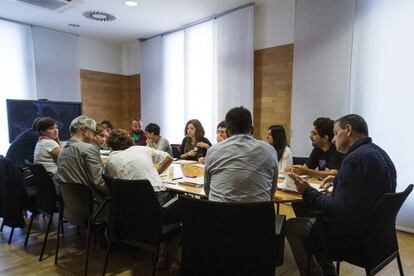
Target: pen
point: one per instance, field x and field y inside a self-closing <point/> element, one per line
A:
<point x="177" y="178"/>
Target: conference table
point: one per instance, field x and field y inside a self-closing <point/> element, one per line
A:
<point x="187" y="177"/>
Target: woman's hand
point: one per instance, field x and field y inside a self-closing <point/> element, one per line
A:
<point x="202" y="145"/>
<point x="191" y="153"/>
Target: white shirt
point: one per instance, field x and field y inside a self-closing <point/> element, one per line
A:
<point x="287" y="159"/>
<point x="43" y="154"/>
<point x="136" y="162"/>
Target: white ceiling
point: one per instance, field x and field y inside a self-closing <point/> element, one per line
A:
<point x="149" y="18"/>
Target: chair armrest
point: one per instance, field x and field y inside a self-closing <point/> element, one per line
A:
<point x="169" y="203"/>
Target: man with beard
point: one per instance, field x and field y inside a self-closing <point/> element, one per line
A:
<point x="324" y="159"/>
<point x="137" y="134"/>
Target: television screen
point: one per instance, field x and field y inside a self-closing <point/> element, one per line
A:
<point x="21" y="114"/>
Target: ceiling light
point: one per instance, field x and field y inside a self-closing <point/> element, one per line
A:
<point x="130" y="3"/>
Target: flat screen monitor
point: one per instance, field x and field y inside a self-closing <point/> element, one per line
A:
<point x="21" y="113"/>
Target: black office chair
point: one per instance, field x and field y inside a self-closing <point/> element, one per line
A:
<point x="379" y="244"/>
<point x="138" y="217"/>
<point x="13" y="196"/>
<point x="299" y="160"/>
<point x="45" y="203"/>
<point x="176" y="150"/>
<point x="80" y="209"/>
<point x="228" y="238"/>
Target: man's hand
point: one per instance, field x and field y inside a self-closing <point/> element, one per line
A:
<point x="297" y="169"/>
<point x="202" y="145"/>
<point x="149" y="143"/>
<point x="301" y="185"/>
<point x="202" y="160"/>
<point x="327" y="182"/>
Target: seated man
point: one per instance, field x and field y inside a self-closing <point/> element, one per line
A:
<point x="137" y="134"/>
<point x="366" y="174"/>
<point x="221" y="136"/>
<point x="221" y="132"/>
<point x="154" y="140"/>
<point x="136" y="162"/>
<point x="22" y="148"/>
<point x="324" y="159"/>
<point x="80" y="160"/>
<point x="240" y="168"/>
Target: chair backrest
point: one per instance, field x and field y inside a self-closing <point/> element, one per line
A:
<point x="299" y="160"/>
<point x="228" y="238"/>
<point x="78" y="204"/>
<point x="176" y="150"/>
<point x="136" y="212"/>
<point x="45" y="201"/>
<point x="380" y="239"/>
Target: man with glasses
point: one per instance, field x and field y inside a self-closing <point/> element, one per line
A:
<point x="80" y="160"/>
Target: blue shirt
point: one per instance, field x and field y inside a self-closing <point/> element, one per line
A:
<point x="366" y="173"/>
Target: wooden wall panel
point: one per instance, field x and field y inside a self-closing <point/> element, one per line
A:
<point x="110" y="96"/>
<point x="272" y="88"/>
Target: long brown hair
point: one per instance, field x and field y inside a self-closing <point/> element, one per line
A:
<point x="198" y="127"/>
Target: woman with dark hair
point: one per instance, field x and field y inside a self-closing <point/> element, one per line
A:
<point x="194" y="144"/>
<point x="276" y="136"/>
<point x="101" y="135"/>
<point x="48" y="146"/>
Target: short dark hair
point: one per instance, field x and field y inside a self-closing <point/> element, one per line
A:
<point x="45" y="123"/>
<point x="324" y="126"/>
<point x="221" y="124"/>
<point x="153" y="128"/>
<point x="34" y="124"/>
<point x="239" y="120"/>
<point x="120" y="139"/>
<point x="108" y="123"/>
<point x="198" y="127"/>
<point x="279" y="139"/>
<point x="357" y="122"/>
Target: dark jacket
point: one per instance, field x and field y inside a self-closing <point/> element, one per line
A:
<point x="22" y="148"/>
<point x="13" y="194"/>
<point x="366" y="174"/>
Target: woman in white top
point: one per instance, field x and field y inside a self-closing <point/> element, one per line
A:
<point x="276" y="136"/>
<point x="48" y="147"/>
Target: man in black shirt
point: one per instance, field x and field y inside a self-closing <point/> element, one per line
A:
<point x="324" y="159"/>
<point x="22" y="148"/>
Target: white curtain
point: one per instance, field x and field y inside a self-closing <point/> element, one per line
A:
<point x="57" y="65"/>
<point x="198" y="73"/>
<point x="382" y="84"/>
<point x="17" y="71"/>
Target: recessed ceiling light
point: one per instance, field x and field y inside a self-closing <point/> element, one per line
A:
<point x="130" y="3"/>
<point x="74" y="25"/>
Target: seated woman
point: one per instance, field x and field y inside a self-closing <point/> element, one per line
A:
<point x="48" y="147"/>
<point x="101" y="135"/>
<point x="276" y="136"/>
<point x="194" y="144"/>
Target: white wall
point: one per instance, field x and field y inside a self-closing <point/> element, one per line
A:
<point x="273" y="23"/>
<point x="321" y="65"/>
<point x="130" y="59"/>
<point x="100" y="55"/>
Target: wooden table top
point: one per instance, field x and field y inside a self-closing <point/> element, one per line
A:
<point x="177" y="170"/>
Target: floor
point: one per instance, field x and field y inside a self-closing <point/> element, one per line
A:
<point x="15" y="259"/>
